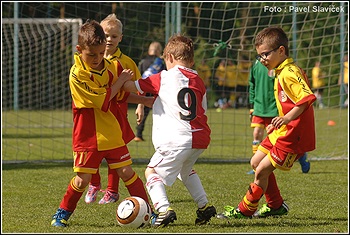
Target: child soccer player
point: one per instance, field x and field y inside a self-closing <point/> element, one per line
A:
<point x="290" y="134"/>
<point x="113" y="29"/>
<point x="98" y="120"/>
<point x="180" y="131"/>
<point x="261" y="97"/>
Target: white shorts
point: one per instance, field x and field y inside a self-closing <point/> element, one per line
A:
<point x="171" y="164"/>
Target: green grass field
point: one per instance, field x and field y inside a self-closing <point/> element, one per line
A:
<point x="32" y="191"/>
<point x="46" y="135"/>
<point x="318" y="200"/>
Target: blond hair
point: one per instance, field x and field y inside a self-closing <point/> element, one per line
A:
<point x="112" y="21"/>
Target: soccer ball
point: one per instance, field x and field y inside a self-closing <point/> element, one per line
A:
<point x="133" y="212"/>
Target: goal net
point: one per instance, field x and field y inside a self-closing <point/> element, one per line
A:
<point x="37" y="55"/>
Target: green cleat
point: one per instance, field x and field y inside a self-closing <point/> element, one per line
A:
<point x="232" y="212"/>
<point x="266" y="211"/>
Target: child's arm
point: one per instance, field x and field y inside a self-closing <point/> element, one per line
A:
<point x="140" y="99"/>
<point x="277" y="122"/>
<point x="125" y="76"/>
<point x="130" y="86"/>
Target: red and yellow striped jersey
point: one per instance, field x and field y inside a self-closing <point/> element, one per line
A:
<point x="292" y="88"/>
<point x="127" y="63"/>
<point x="99" y="124"/>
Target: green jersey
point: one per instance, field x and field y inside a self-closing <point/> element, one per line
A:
<point x="261" y="91"/>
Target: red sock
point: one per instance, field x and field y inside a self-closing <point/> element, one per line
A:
<point x="96" y="179"/>
<point x="72" y="196"/>
<point x="136" y="188"/>
<point x="272" y="195"/>
<point x="250" y="201"/>
<point x="113" y="180"/>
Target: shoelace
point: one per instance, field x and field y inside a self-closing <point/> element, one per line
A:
<point x="60" y="215"/>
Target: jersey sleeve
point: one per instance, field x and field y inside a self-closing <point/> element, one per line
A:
<point x="296" y="87"/>
<point x="150" y="84"/>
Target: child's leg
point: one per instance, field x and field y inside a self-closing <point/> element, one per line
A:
<point x="156" y="190"/>
<point x="264" y="168"/>
<point x="250" y="201"/>
<point x="113" y="180"/>
<point x="132" y="182"/>
<point x="111" y="193"/>
<point x="74" y="191"/>
<point x="195" y="188"/>
<point x="94" y="188"/>
<point x="272" y="194"/>
<point x="96" y="180"/>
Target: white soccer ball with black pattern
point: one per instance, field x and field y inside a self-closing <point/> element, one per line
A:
<point x="133" y="212"/>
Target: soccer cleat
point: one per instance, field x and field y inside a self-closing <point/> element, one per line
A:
<point x="163" y="218"/>
<point x="204" y="214"/>
<point x="266" y="211"/>
<point x="231" y="212"/>
<point x="305" y="164"/>
<point x="139" y="139"/>
<point x="109" y="197"/>
<point x="91" y="195"/>
<point x="60" y="218"/>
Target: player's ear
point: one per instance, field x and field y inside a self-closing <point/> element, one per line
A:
<point x="78" y="48"/>
<point x="170" y="57"/>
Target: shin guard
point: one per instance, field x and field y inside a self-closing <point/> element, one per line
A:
<point x="250" y="201"/>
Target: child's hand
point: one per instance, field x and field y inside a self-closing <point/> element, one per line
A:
<point x="126" y="75"/>
<point x="269" y="129"/>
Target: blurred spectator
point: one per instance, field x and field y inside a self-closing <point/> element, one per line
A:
<point x="243" y="67"/>
<point x="343" y="82"/>
<point x="204" y="73"/>
<point x="318" y="84"/>
<point x="225" y="76"/>
<point x="219" y="85"/>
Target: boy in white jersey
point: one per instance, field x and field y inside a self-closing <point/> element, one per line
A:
<point x="180" y="131"/>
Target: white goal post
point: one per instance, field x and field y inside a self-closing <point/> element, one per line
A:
<point x="29" y="45"/>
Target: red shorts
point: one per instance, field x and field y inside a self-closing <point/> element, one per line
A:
<point x="89" y="162"/>
<point x="261" y="122"/>
<point x="279" y="158"/>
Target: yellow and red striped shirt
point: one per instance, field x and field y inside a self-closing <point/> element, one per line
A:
<point x="99" y="124"/>
<point x="292" y="88"/>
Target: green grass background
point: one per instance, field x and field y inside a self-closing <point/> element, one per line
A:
<point x="46" y="135"/>
<point x="318" y="200"/>
<point x="41" y="140"/>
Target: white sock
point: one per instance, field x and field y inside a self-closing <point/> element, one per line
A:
<point x="157" y="193"/>
<point x="195" y="188"/>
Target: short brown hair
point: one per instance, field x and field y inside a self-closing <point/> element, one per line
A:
<point x="273" y="37"/>
<point x="91" y="34"/>
<point x="180" y="47"/>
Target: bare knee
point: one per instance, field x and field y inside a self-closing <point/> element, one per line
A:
<point x="82" y="180"/>
<point x="125" y="172"/>
<point x="149" y="171"/>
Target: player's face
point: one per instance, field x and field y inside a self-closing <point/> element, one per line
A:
<point x="93" y="56"/>
<point x="268" y="56"/>
<point x="114" y="37"/>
